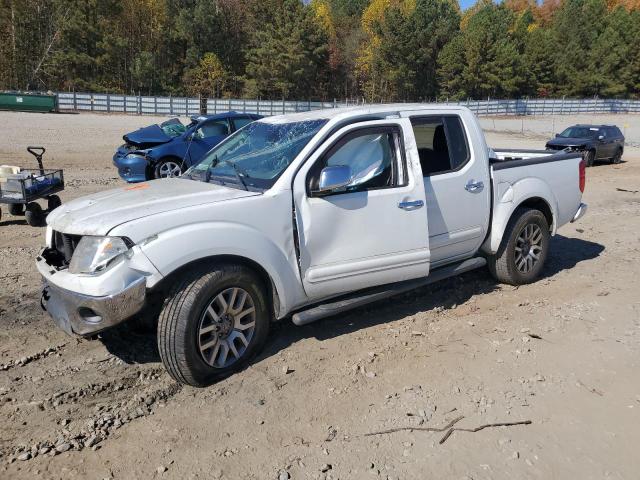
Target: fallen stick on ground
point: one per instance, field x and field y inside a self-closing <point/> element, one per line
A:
<point x="423" y="429"/>
<point x="481" y="427"/>
<point x="625" y="190"/>
<point x="591" y="389"/>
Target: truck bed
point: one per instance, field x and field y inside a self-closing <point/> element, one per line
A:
<point x="511" y="158"/>
<point x="518" y="175"/>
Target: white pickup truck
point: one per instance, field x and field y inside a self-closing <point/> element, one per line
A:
<point x="303" y="216"/>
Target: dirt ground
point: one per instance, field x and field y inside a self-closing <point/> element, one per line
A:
<point x="563" y="353"/>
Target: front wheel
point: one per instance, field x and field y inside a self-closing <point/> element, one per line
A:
<point x="523" y="250"/>
<point x="213" y="322"/>
<point x="169" y="168"/>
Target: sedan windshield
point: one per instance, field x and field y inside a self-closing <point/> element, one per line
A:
<point x="173" y="128"/>
<point x="256" y="155"/>
<point x="580" y="132"/>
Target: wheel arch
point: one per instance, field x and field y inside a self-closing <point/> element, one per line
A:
<point x="532" y="193"/>
<point x="271" y="290"/>
<point x="539" y="203"/>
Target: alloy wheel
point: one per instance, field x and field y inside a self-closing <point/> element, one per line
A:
<point x="169" y="170"/>
<point x="528" y="248"/>
<point x="227" y="327"/>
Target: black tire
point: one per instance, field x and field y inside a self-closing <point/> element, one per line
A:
<point x="34" y="214"/>
<point x="16" y="209"/>
<point x="589" y="157"/>
<point x="503" y="265"/>
<point x="186" y="306"/>
<point x="53" y="202"/>
<point x="168" y="168"/>
<point x="617" y="158"/>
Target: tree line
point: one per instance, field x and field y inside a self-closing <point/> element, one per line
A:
<point x="379" y="50"/>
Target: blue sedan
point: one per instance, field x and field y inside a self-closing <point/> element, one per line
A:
<point x="168" y="149"/>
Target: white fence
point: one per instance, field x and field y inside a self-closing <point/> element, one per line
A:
<point x="149" y="105"/>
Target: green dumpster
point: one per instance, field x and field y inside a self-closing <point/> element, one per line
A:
<point x="27" y="103"/>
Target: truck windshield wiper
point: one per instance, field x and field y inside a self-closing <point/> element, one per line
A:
<point x="207" y="174"/>
<point x="238" y="170"/>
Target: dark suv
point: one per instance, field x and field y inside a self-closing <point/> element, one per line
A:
<point x="598" y="142"/>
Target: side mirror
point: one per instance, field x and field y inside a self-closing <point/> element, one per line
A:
<point x="600" y="137"/>
<point x="333" y="178"/>
<point x="557" y="135"/>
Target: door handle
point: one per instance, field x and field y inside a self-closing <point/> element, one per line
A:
<point x="411" y="205"/>
<point x="474" y="187"/>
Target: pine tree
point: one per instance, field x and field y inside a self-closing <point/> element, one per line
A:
<point x="289" y="55"/>
<point x="486" y="56"/>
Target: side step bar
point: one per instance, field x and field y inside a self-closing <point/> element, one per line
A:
<point x="378" y="293"/>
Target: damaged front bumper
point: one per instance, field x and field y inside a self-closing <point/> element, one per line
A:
<point x="87" y="304"/>
<point x="84" y="315"/>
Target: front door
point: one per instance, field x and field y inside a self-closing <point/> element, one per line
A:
<point x="374" y="230"/>
<point x="457" y="185"/>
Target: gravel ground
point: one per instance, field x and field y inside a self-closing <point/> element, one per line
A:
<point x="563" y="353"/>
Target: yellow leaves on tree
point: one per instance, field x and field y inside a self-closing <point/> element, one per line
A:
<point x="374" y="14"/>
<point x="628" y="4"/>
<point x="208" y="79"/>
<point x="324" y="17"/>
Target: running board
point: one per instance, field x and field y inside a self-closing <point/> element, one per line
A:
<point x="378" y="293"/>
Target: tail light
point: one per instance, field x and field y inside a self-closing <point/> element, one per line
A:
<point x="583" y="176"/>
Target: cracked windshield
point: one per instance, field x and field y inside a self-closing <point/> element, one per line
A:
<point x="256" y="155"/>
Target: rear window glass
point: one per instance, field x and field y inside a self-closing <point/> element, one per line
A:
<point x="457" y="140"/>
<point x="240" y="122"/>
<point x="442" y="144"/>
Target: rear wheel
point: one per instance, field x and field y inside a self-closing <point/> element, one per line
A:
<point x="16" y="209"/>
<point x="34" y="214"/>
<point x="213" y="322"/>
<point x="523" y="250"/>
<point x="169" y="168"/>
<point x="589" y="158"/>
<point x="617" y="158"/>
<point x="53" y="202"/>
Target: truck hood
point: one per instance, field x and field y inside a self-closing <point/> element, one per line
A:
<point x="147" y="137"/>
<point x="569" y="142"/>
<point x="99" y="213"/>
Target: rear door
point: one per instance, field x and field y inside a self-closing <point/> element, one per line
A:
<point x="372" y="232"/>
<point x="457" y="185"/>
<point x="615" y="137"/>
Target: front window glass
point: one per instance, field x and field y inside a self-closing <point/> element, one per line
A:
<point x="258" y="153"/>
<point x="580" y="132"/>
<point x="219" y="128"/>
<point x="370" y="157"/>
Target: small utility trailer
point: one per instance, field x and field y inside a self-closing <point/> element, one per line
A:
<point x="21" y="187"/>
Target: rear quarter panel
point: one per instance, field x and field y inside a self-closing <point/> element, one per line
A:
<point x="557" y="183"/>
